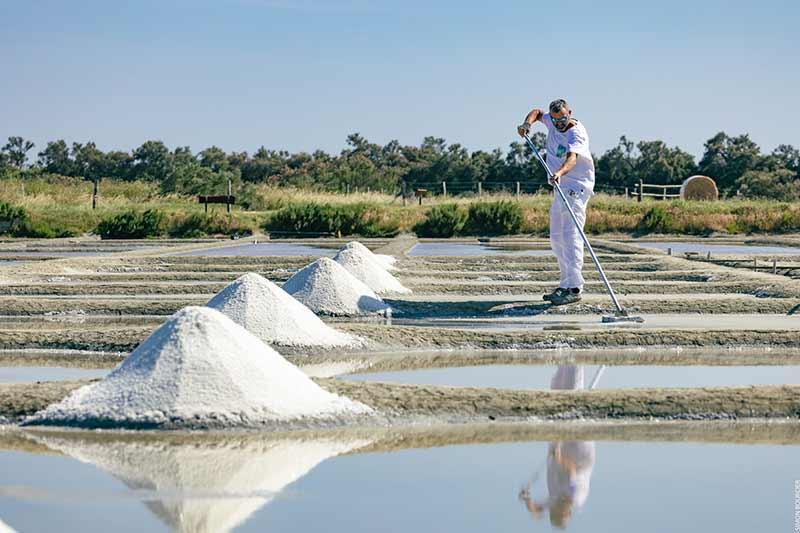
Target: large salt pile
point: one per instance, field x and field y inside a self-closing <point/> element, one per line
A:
<point x="327" y="287"/>
<point x="386" y="261"/>
<point x="365" y="267"/>
<point x="272" y="315"/>
<point x="199" y="369"/>
<point x="235" y="475"/>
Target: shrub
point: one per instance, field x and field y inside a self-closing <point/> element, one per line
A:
<point x="442" y="221"/>
<point x="206" y="224"/>
<point x="494" y="218"/>
<point x="657" y="220"/>
<point x="13" y="220"/>
<point x="132" y="225"/>
<point x="311" y="218"/>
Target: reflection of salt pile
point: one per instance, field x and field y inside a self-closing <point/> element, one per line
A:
<point x="204" y="484"/>
<point x="199" y="369"/>
<point x="327" y="287"/>
<point x="386" y="261"/>
<point x="272" y="315"/>
<point x="6" y="529"/>
<point x="361" y="263"/>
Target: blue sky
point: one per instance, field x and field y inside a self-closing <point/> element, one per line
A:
<point x="301" y="75"/>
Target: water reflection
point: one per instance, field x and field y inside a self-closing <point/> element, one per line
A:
<point x="198" y="484"/>
<point x="569" y="463"/>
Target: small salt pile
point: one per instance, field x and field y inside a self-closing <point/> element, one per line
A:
<point x="272" y="315"/>
<point x="327" y="287"/>
<point x="386" y="261"/>
<point x="364" y="267"/>
<point x="199" y="369"/>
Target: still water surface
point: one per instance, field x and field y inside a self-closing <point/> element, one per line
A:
<point x="326" y="484"/>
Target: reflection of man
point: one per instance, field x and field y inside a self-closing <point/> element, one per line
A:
<point x="569" y="465"/>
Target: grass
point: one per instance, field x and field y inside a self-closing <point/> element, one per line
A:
<point x="62" y="207"/>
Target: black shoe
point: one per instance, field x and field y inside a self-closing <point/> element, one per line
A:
<point x="569" y="296"/>
<point x="556" y="293"/>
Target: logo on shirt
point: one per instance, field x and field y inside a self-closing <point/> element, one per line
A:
<point x="561" y="150"/>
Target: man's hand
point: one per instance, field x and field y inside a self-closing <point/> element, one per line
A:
<point x="556" y="178"/>
<point x="523" y="129"/>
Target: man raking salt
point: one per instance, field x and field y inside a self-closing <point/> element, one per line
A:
<point x="571" y="165"/>
<point x="570" y="170"/>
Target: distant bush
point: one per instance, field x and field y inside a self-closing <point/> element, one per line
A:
<point x="442" y="221"/>
<point x="132" y="225"/>
<point x="781" y="184"/>
<point x="494" y="218"/>
<point x="311" y="218"/>
<point x="13" y="219"/>
<point x="206" y="224"/>
<point x="657" y="220"/>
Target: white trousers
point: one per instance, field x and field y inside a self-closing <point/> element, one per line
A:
<point x="565" y="240"/>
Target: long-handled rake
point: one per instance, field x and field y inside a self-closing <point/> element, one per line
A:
<point x="620" y="315"/>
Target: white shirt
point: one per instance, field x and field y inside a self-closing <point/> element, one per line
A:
<point x="575" y="140"/>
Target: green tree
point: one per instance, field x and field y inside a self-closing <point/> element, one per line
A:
<point x="726" y="159"/>
<point x="152" y="161"/>
<point x="17" y="150"/>
<point x="781" y="184"/>
<point x="55" y="159"/>
<point x="89" y="161"/>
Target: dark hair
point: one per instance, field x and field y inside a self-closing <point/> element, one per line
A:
<point x="557" y="105"/>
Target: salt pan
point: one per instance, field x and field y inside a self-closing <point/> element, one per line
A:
<point x="272" y="315"/>
<point x="199" y="369"/>
<point x="327" y="287"/>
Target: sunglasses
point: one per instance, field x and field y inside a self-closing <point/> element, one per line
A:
<point x="560" y="121"/>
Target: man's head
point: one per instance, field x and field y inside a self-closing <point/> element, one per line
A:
<point x="560" y="114"/>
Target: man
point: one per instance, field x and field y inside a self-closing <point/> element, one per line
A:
<point x="571" y="163"/>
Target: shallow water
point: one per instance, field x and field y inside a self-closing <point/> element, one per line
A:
<point x="624" y="487"/>
<point x="611" y="377"/>
<point x="265" y="249"/>
<point x="699" y="247"/>
<point x="30" y="374"/>
<point x="427" y="249"/>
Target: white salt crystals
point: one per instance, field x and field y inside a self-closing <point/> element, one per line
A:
<point x="327" y="287"/>
<point x="200" y="369"/>
<point x="361" y="263"/>
<point x="275" y="317"/>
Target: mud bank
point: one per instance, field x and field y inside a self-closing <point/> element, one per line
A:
<point x="405" y="403"/>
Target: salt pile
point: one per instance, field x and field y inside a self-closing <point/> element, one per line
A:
<point x="272" y="315"/>
<point x="200" y="369"/>
<point x="327" y="287"/>
<point x="204" y="483"/>
<point x="386" y="261"/>
<point x="364" y="267"/>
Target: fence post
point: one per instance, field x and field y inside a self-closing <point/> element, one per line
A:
<point x="444" y="189"/>
<point x="480" y="189"/>
<point x="403" y="192"/>
<point x="230" y="193"/>
<point x="626" y="193"/>
<point x="517" y="189"/>
<point x="347" y="189"/>
<point x="641" y="187"/>
<point x="774" y="266"/>
<point x="664" y="193"/>
<point x="95" y="192"/>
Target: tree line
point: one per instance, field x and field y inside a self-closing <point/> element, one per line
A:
<point x="736" y="163"/>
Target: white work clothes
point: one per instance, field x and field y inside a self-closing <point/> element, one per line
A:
<point x="565" y="240"/>
<point x="578" y="187"/>
<point x="575" y="140"/>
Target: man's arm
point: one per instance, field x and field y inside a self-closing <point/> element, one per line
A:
<point x="530" y="118"/>
<point x="569" y="163"/>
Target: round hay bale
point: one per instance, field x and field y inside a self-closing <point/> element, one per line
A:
<point x="699" y="188"/>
